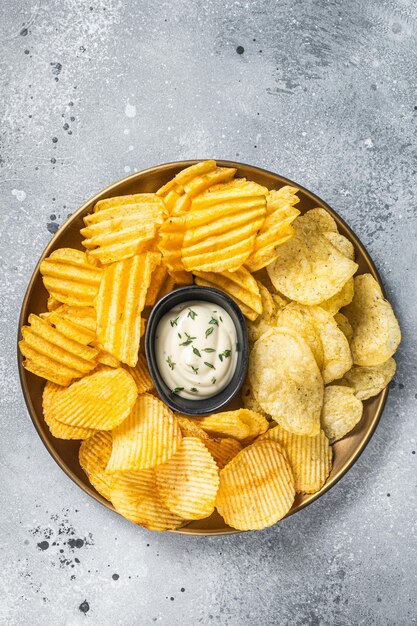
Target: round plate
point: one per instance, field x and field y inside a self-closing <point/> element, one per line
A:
<point x="65" y="453"/>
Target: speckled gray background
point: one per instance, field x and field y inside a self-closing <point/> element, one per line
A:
<point x="322" y="92"/>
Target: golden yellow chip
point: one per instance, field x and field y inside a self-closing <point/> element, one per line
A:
<point x="171" y="236"/>
<point x="242" y="424"/>
<point x="367" y="382"/>
<point x="107" y="359"/>
<point x="158" y="279"/>
<point x="134" y="495"/>
<point x="70" y="278"/>
<point x="101" y="400"/>
<point x="323" y="220"/>
<point x="310" y="458"/>
<point x="221" y="226"/>
<point x="54" y="354"/>
<point x="240" y="285"/>
<point x="341" y="243"/>
<point x="185" y="176"/>
<point x="268" y="317"/>
<point x="57" y="428"/>
<point x="337" y="357"/>
<point x="309" y="268"/>
<point x="52" y="304"/>
<point x="342" y="410"/>
<point x="93" y="455"/>
<point x="256" y="488"/>
<point x="286" y="381"/>
<point x="340" y="299"/>
<point x="249" y="401"/>
<point x="188" y="482"/>
<point x="197" y="185"/>
<point x="122" y="227"/>
<point x="149" y="437"/>
<point x="120" y="301"/>
<point x="298" y="319"/>
<point x="344" y="325"/>
<point x="141" y="375"/>
<point x="376" y="332"/>
<point x="276" y="229"/>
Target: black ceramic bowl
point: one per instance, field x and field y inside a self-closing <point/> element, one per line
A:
<point x="203" y="406"/>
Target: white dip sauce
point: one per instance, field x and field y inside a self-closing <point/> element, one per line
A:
<point x="196" y="350"/>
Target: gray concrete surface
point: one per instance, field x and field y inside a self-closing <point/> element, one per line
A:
<point x="324" y="93"/>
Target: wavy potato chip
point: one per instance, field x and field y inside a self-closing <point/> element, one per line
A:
<point x="185" y="176"/>
<point x="376" y="332"/>
<point x="310" y="458"/>
<point x="367" y="382"/>
<point x="337" y="357"/>
<point x="341" y="411"/>
<point x="135" y="496"/>
<point x="199" y="184"/>
<point x="141" y="375"/>
<point x="148" y="437"/>
<point x="171" y="237"/>
<point x="188" y="482"/>
<point x="242" y="424"/>
<point x="221" y="449"/>
<point x="57" y="428"/>
<point x="256" y="488"/>
<point x="93" y="456"/>
<point x="344" y="325"/>
<point x="267" y="319"/>
<point x="286" y="381"/>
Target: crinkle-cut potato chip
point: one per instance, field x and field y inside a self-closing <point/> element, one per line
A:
<point x="249" y="401"/>
<point x="376" y="332"/>
<point x="344" y="325"/>
<point x="268" y="316"/>
<point x="141" y="375"/>
<point x="341" y="243"/>
<point x="148" y="437"/>
<point x="197" y="185"/>
<point x="239" y="285"/>
<point x="93" y="456"/>
<point x="221" y="226"/>
<point x="242" y="424"/>
<point x="256" y="488"/>
<point x="276" y="229"/>
<point x="57" y="428"/>
<point x="309" y="269"/>
<point x="104" y="358"/>
<point x="171" y="236"/>
<point x="84" y="316"/>
<point x="221" y="449"/>
<point x="188" y="482"/>
<point x="70" y="278"/>
<point x="310" y="458"/>
<point x="185" y="176"/>
<point x="337" y="357"/>
<point x="53" y="353"/>
<point x="134" y="495"/>
<point x="120" y="301"/>
<point x="323" y="220"/>
<point x="52" y="303"/>
<point x="100" y="401"/>
<point x="367" y="382"/>
<point x="122" y="227"/>
<point x="286" y="381"/>
<point x="297" y="318"/>
<point x="342" y="410"/>
<point x="340" y="299"/>
<point x="158" y="279"/>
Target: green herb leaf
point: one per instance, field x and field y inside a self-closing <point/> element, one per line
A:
<point x="170" y="363"/>
<point x="209" y="350"/>
<point x="225" y="354"/>
<point x="220" y="318"/>
<point x="174" y="322"/>
<point x="192" y="314"/>
<point x="197" y="351"/>
<point x="209" y="331"/>
<point x="213" y="380"/>
<point x="179" y="335"/>
<point x="195" y="369"/>
<point x="177" y="389"/>
<point x="194" y="389"/>
<point x="187" y="342"/>
<point x="214" y="321"/>
<point x="209" y="365"/>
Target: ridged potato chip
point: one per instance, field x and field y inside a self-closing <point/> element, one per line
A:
<point x="276" y="229"/>
<point x="337" y="357"/>
<point x="341" y="411"/>
<point x="240" y="285"/>
<point x="297" y="318"/>
<point x="93" y="456"/>
<point x="199" y="184"/>
<point x="367" y="382"/>
<point x="171" y="237"/>
<point x="52" y="303"/>
<point x="122" y="227"/>
<point x="344" y="325"/>
<point x="158" y="280"/>
<point x="53" y="353"/>
<point x="70" y="278"/>
<point x="256" y="488"/>
<point x="134" y="495"/>
<point x="310" y="458"/>
<point x="242" y="424"/>
<point x="376" y="332"/>
<point x="221" y="449"/>
<point x="100" y="401"/>
<point x="268" y="317"/>
<point x="340" y="299"/>
<point x="188" y="482"/>
<point x="148" y="437"/>
<point x="120" y="301"/>
<point x="57" y="428"/>
<point x="286" y="381"/>
<point x="309" y="269"/>
<point x="141" y="375"/>
<point x="185" y="176"/>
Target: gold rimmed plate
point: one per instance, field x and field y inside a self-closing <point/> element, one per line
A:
<point x="65" y="453"/>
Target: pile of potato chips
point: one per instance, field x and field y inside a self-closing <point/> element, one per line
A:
<point x="322" y="341"/>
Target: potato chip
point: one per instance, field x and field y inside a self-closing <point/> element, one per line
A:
<point x="141" y="375"/>
<point x="119" y="304"/>
<point x="221" y="226"/>
<point x="93" y="455"/>
<point x="57" y="428"/>
<point x="221" y="449"/>
<point x="52" y="304"/>
<point x="148" y="437"/>
<point x="171" y="236"/>
<point x="340" y="299"/>
<point x="70" y="278"/>
<point x="376" y="332"/>
<point x="268" y="317"/>
<point x="337" y="357"/>
<point x="341" y="243"/>
<point x="242" y="424"/>
<point x="158" y="279"/>
<point x="54" y="355"/>
<point x="256" y="488"/>
<point x="341" y="411"/>
<point x="367" y="382"/>
<point x="286" y="381"/>
<point x="309" y="268"/>
<point x="188" y="482"/>
<point x="197" y="185"/>
<point x="104" y="358"/>
<point x="310" y="458"/>
<point x="100" y="401"/>
<point x="276" y="229"/>
<point x="323" y="220"/>
<point x="185" y="176"/>
<point x="249" y="401"/>
<point x="122" y="227"/>
<point x="134" y="495"/>
<point x="298" y="319"/>
<point x="344" y="325"/>
<point x="239" y="285"/>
